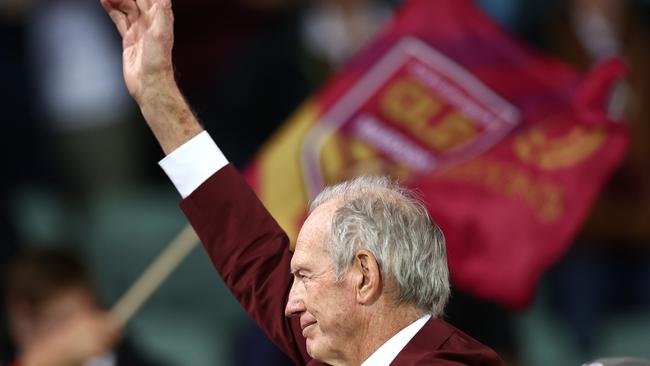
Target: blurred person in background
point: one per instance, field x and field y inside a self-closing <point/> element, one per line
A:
<point x="55" y="317"/>
<point x="71" y="56"/>
<point x="334" y="31"/>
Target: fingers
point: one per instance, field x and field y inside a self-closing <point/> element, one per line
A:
<point x="123" y="12"/>
<point x="130" y="8"/>
<point x="164" y="4"/>
<point x="143" y="5"/>
<point x="163" y="18"/>
<point x="119" y="18"/>
<point x="120" y="21"/>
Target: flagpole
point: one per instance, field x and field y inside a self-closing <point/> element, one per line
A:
<point x="157" y="272"/>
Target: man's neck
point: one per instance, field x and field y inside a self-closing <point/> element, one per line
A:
<point x="379" y="327"/>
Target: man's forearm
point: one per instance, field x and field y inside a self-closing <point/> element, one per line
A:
<point x="169" y="116"/>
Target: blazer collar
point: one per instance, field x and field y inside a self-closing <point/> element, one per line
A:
<point x="434" y="333"/>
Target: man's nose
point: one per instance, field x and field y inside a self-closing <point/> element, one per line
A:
<point x="295" y="304"/>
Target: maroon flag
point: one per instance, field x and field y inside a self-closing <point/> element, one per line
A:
<point x="507" y="146"/>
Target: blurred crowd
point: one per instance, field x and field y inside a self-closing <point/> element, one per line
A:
<point x="80" y="175"/>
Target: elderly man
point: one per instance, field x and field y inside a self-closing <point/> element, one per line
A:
<point x="368" y="279"/>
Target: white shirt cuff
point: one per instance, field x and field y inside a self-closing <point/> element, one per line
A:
<point x="193" y="163"/>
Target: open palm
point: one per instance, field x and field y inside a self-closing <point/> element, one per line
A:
<point x="147" y="33"/>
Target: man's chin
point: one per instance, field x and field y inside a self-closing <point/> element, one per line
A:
<point x="312" y="348"/>
<point x="316" y="343"/>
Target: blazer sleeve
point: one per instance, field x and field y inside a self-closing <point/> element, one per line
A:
<point x="251" y="253"/>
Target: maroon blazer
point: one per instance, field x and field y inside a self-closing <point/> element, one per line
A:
<point x="251" y="252"/>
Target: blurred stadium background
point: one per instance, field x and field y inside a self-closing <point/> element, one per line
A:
<point x="79" y="167"/>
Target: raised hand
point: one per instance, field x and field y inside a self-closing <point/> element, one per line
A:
<point x="147" y="33"/>
<point x="147" y="29"/>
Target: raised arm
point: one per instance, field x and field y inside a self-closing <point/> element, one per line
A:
<point x="245" y="244"/>
<point x="147" y="30"/>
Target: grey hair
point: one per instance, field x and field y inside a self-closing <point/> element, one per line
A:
<point x="388" y="220"/>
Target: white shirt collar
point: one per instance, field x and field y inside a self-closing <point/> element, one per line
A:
<point x="385" y="354"/>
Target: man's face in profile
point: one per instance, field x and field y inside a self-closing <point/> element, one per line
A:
<point x="326" y="308"/>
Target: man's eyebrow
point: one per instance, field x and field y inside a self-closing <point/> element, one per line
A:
<point x="294" y="270"/>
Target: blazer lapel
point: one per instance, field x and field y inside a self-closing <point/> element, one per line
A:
<point x="431" y="337"/>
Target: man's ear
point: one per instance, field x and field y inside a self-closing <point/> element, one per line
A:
<point x="369" y="283"/>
